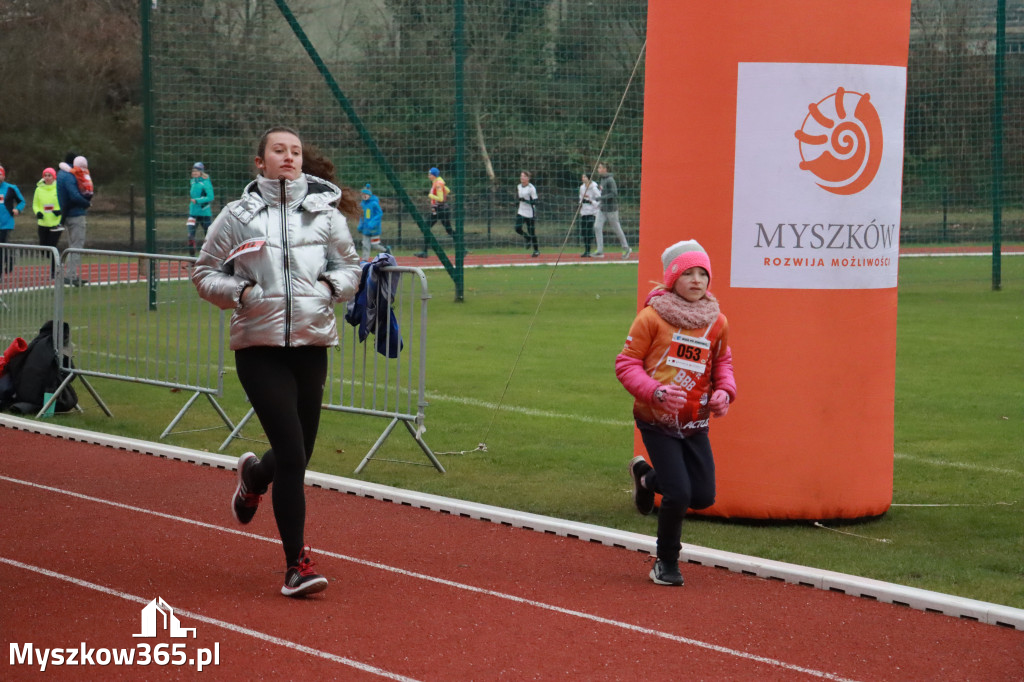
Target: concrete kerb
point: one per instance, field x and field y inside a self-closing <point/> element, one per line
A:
<point x="876" y="590"/>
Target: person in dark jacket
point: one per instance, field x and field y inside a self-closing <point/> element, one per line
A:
<point x="73" y="208"/>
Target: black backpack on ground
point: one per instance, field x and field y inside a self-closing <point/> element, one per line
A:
<point x="30" y="375"/>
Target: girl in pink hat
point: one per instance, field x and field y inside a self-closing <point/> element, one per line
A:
<point x="678" y="367"/>
<point x="46" y="207"/>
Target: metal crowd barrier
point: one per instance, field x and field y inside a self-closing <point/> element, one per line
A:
<point x="363" y="381"/>
<point x="28" y="297"/>
<point x="136" y="317"/>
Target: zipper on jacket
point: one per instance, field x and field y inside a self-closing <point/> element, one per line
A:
<point x="286" y="269"/>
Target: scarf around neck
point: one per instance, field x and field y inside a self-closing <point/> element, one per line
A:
<point x="676" y="310"/>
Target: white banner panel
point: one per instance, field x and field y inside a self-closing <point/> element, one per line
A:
<point x="818" y="176"/>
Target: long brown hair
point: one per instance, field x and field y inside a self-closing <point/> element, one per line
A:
<point x="315" y="163"/>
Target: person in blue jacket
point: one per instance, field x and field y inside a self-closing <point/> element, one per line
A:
<point x="200" y="193"/>
<point x="369" y="223"/>
<point x="73" y="208"/>
<point x="13" y="204"/>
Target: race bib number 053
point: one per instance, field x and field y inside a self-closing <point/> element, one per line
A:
<point x="689" y="353"/>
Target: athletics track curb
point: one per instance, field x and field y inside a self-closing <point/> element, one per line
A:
<point x="891" y="593"/>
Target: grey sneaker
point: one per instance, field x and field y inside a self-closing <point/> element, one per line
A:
<point x="642" y="497"/>
<point x="666" y="573"/>
<point x="627" y="253"/>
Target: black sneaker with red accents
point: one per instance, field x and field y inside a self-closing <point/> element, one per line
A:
<point x="643" y="498"/>
<point x="245" y="501"/>
<point x="301" y="579"/>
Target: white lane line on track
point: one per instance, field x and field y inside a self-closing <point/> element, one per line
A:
<point x="301" y="648"/>
<point x="967" y="466"/>
<point x="449" y="583"/>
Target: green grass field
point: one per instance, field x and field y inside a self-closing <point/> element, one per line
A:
<point x="559" y="442"/>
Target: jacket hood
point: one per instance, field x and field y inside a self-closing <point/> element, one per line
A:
<point x="307" y="191"/>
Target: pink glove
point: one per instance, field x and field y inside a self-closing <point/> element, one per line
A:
<point x="719" y="403"/>
<point x="673" y="398"/>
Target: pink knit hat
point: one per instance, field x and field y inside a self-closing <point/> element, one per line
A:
<point x="682" y="256"/>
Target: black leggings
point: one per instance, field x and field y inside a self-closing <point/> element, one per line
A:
<point x="684" y="474"/>
<point x="286" y="388"/>
<point x="587" y="230"/>
<point x="6" y="257"/>
<point x="440" y="213"/>
<point x="48" y="237"/>
<point x="530" y="234"/>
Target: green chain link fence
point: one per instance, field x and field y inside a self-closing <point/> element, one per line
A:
<point x="534" y="85"/>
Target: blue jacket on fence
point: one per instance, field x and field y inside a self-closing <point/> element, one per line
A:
<point x="369" y="221"/>
<point x="11" y="199"/>
<point x="377" y="289"/>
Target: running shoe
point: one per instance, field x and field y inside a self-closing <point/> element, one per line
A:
<point x="245" y="501"/>
<point x="301" y="579"/>
<point x="642" y="497"/>
<point x="666" y="573"/>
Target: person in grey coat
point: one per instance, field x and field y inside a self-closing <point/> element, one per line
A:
<point x="609" y="212"/>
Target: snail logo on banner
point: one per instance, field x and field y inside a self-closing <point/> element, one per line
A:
<point x="818" y="176"/>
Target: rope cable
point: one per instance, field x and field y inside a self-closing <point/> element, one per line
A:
<point x="561" y="251"/>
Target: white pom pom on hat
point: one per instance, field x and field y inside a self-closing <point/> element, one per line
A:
<point x="682" y="256"/>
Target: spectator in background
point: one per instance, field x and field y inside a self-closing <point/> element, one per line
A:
<point x="200" y="192"/>
<point x="590" y="206"/>
<point x="526" y="201"/>
<point x="13" y="204"/>
<point x="47" y="211"/>
<point x="609" y="212"/>
<point x="369" y="223"/>
<point x="73" y="206"/>
<point x="440" y="209"/>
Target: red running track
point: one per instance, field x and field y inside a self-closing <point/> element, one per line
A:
<point x="90" y="534"/>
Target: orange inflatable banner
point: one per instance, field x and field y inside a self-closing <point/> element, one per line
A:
<point x="773" y="134"/>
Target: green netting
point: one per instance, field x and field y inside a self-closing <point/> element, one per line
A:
<point x="543" y="84"/>
<point x="953" y="97"/>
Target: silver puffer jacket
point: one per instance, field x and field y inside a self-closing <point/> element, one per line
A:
<point x="286" y="240"/>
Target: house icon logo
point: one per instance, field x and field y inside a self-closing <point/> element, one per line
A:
<point x="841" y="141"/>
<point x="150" y="622"/>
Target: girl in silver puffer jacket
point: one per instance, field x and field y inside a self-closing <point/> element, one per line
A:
<point x="281" y="258"/>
